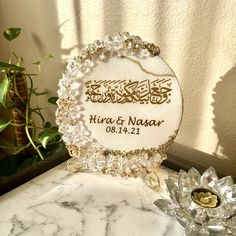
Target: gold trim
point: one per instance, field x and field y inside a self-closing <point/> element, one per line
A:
<point x="76" y="151"/>
<point x="144" y="70"/>
<point x="150" y="152"/>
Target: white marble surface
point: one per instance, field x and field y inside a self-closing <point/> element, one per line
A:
<point x="84" y="204"/>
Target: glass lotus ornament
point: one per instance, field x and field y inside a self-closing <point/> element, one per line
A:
<point x="203" y="204"/>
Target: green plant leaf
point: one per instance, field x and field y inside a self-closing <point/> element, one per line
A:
<point x="49" y="135"/>
<point x="8" y="165"/>
<point x="44" y="58"/>
<point x="27" y="163"/>
<point x="6" y="66"/>
<point x="36" y="63"/>
<point x="3" y="91"/>
<point x="11" y="33"/>
<point x="41" y="93"/>
<point x="47" y="125"/>
<point x="34" y="91"/>
<point x="4" y="124"/>
<point x="12" y="164"/>
<point x="53" y="100"/>
<point x="48" y="56"/>
<point x="20" y="61"/>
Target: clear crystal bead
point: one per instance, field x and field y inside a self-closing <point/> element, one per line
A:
<point x="209" y="178"/>
<point x="121" y="52"/>
<point x="109" y="163"/>
<point x="152" y="181"/>
<point x="84" y="68"/>
<point x="100" y="165"/>
<point x="79" y="141"/>
<point x="127" y="170"/>
<point x="125" y="35"/>
<point x="118" y="37"/>
<point x="80" y="75"/>
<point x="89" y="63"/>
<point x="134" y="167"/>
<point x="143" y="53"/>
<point x="90" y="47"/>
<point x="108" y="39"/>
<point x="102" y="56"/>
<point x="92" y="164"/>
<point x="74" y="164"/>
<point x="119" y="166"/>
<point x="165" y="205"/>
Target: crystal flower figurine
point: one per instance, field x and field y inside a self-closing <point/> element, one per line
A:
<point x="203" y="204"/>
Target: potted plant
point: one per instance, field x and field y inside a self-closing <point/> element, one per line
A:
<point x="37" y="147"/>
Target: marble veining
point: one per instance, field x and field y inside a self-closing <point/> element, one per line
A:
<point x="84" y="204"/>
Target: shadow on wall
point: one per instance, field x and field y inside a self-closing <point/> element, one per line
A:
<point x="225" y="114"/>
<point x="196" y="64"/>
<point x="112" y="17"/>
<point x="224" y="108"/>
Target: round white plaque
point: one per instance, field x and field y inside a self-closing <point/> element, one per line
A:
<point x="118" y="100"/>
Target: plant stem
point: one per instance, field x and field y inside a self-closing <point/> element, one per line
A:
<point x="21" y="149"/>
<point x="19" y="98"/>
<point x="16" y="89"/>
<point x="28" y="134"/>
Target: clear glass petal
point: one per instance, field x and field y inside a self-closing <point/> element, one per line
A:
<point x="193" y="229"/>
<point x="165" y="205"/>
<point x="186" y="200"/>
<point x="200" y="215"/>
<point x="194" y="177"/>
<point x="182" y="181"/>
<point x="204" y="231"/>
<point x="209" y="178"/>
<point x="230" y="193"/>
<point x="182" y="215"/>
<point x="232" y="206"/>
<point x="217" y="225"/>
<point x="224" y="210"/>
<point x="173" y="178"/>
<point x="232" y="223"/>
<point x="224" y="183"/>
<point x="173" y="191"/>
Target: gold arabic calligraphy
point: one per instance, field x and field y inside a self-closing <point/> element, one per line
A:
<point x="128" y="91"/>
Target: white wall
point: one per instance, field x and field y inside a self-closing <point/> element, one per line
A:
<point x="197" y="38"/>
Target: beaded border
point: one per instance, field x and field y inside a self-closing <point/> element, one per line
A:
<point x="87" y="152"/>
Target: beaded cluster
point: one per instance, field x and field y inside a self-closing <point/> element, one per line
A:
<point x="87" y="153"/>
